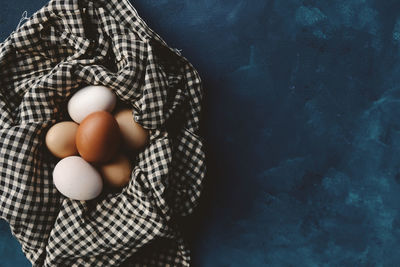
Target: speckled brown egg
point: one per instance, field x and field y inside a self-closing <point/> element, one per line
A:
<point x="134" y="135"/>
<point x="98" y="137"/>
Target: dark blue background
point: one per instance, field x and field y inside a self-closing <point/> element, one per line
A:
<point x="302" y="127"/>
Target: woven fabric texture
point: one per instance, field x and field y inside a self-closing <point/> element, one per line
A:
<point x="64" y="46"/>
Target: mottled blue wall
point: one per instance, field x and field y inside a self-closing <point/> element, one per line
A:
<point x="302" y="127"/>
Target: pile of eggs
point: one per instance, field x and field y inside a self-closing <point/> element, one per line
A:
<point x="93" y="147"/>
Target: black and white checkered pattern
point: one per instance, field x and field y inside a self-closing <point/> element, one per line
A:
<point x="66" y="45"/>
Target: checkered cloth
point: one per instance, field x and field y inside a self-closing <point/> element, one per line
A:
<point x="64" y="46"/>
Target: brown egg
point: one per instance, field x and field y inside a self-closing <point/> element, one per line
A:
<point x="133" y="134"/>
<point x="98" y="137"/>
<point x="117" y="172"/>
<point x="60" y="139"/>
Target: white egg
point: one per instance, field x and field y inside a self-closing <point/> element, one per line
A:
<point x="90" y="99"/>
<point x="77" y="179"/>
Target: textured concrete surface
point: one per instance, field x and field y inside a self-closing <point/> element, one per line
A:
<point x="301" y="126"/>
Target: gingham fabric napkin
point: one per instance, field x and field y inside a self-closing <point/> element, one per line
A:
<point x="64" y="46"/>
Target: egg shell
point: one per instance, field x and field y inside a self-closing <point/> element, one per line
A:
<point x="98" y="137"/>
<point x="133" y="134"/>
<point x="90" y="99"/>
<point x="60" y="139"/>
<point x="117" y="172"/>
<point x="77" y="179"/>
